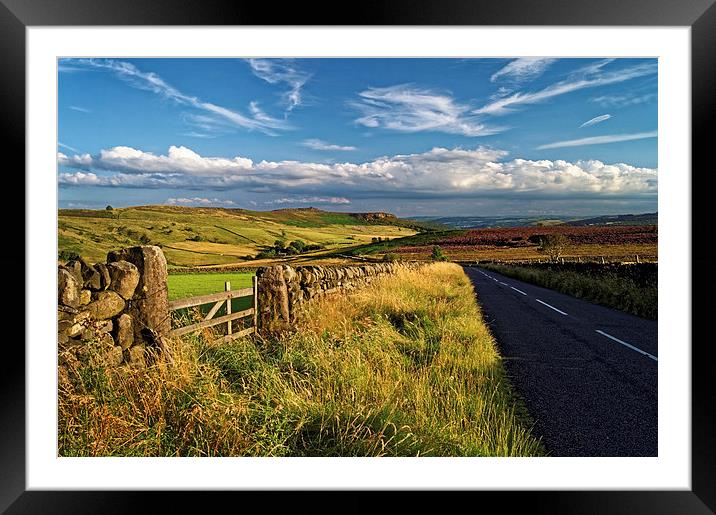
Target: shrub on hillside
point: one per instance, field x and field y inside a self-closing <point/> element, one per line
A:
<point x="437" y="254"/>
<point x="67" y="255"/>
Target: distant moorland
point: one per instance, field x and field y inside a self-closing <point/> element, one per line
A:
<point x="221" y="237"/>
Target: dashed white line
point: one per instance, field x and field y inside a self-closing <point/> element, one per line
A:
<point x="628" y="345"/>
<point x="519" y="291"/>
<point x="551" y="307"/>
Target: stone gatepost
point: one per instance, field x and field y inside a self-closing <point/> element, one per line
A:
<point x="273" y="304"/>
<point x="149" y="306"/>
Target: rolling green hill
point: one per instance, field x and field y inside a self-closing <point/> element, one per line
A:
<point x="215" y="236"/>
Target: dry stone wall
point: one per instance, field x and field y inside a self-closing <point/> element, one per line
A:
<point x="283" y="290"/>
<point x="122" y="304"/>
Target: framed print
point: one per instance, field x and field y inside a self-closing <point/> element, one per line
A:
<point x="412" y="250"/>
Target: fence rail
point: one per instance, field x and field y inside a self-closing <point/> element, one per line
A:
<point x="213" y="297"/>
<point x="219" y="299"/>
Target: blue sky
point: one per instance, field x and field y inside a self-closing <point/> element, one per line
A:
<point x="523" y="136"/>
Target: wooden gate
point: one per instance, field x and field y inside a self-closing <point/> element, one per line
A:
<point x="219" y="299"/>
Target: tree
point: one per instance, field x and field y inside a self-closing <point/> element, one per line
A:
<point x="437" y="254"/>
<point x="108" y="208"/>
<point x="554" y="245"/>
<point x="299" y="245"/>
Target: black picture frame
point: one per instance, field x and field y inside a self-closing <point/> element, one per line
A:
<point x="700" y="15"/>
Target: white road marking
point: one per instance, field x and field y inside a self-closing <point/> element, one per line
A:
<point x="520" y="291"/>
<point x="552" y="307"/>
<point x="628" y="345"/>
<point x="503" y="283"/>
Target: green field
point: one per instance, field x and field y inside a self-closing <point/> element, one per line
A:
<point x="191" y="285"/>
<point x="217" y="236"/>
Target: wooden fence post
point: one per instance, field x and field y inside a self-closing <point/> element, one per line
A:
<point x="227" y="287"/>
<point x="255" y="282"/>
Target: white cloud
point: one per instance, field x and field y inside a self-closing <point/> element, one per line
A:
<point x="597" y="140"/>
<point x="79" y="109"/>
<point x="179" y="160"/>
<point x="588" y="77"/>
<point x="150" y="81"/>
<point x="596" y="120"/>
<point x="622" y="100"/>
<point x="439" y="172"/>
<point x="309" y="200"/>
<point x="501" y="92"/>
<point x="202" y="201"/>
<point x="406" y="108"/>
<point x="523" y="69"/>
<point x="277" y="71"/>
<point x="317" y="144"/>
<point x="60" y="144"/>
<point x="76" y="161"/>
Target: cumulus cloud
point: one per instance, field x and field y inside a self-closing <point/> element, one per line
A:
<point x="309" y="200"/>
<point x="199" y="201"/>
<point x="590" y="76"/>
<point x="406" y="108"/>
<point x="282" y="71"/>
<point x="179" y="160"/>
<point x="523" y="69"/>
<point x="597" y="140"/>
<point x="317" y="144"/>
<point x="596" y="120"/>
<point x="439" y="172"/>
<point x="150" y="81"/>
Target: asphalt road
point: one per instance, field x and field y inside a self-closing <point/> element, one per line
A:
<point x="588" y="374"/>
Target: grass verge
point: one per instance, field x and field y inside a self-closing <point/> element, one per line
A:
<point x="403" y="368"/>
<point x="612" y="286"/>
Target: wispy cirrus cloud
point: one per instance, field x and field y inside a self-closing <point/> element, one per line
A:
<point x="437" y="173"/>
<point x="317" y="144"/>
<point x="79" y="109"/>
<point x="406" y="108"/>
<point x="523" y="69"/>
<point x="598" y="140"/>
<point x="596" y="120"/>
<point x="150" y="81"/>
<point x="623" y="100"/>
<point x="282" y="71"/>
<point x="60" y="144"/>
<point x="590" y="76"/>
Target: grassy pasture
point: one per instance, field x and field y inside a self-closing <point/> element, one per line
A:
<point x="403" y="368"/>
<point x="190" y="285"/>
<point x="199" y="237"/>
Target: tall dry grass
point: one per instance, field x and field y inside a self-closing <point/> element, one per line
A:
<point x="403" y="368"/>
